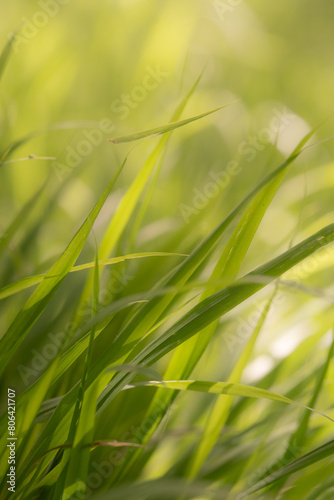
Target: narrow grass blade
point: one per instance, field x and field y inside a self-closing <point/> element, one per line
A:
<point x="6" y="53"/>
<point x="164" y="128"/>
<point x="148" y="314"/>
<point x="298" y="438"/>
<point x="301" y="463"/>
<point x="129" y="201"/>
<point x="40" y="298"/>
<point x="31" y="281"/>
<point x="188" y="354"/>
<point x="83" y="420"/>
<point x="195" y="320"/>
<point x="221" y="302"/>
<point x="227" y="388"/>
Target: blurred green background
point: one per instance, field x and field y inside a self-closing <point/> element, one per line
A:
<point x="75" y="61"/>
<point x="128" y="63"/>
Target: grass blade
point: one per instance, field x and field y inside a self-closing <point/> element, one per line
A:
<point x="169" y="127"/>
<point x="40" y="298"/>
<point x="5" y="54"/>
<point x="31" y="281"/>
<point x="227" y="388"/>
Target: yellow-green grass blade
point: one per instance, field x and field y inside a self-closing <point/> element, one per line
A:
<point x="43" y="294"/>
<point x="129" y="201"/>
<point x="150" y="313"/>
<point x="218" y="304"/>
<point x="5" y="54"/>
<point x="301" y="463"/>
<point x="191" y="263"/>
<point x="83" y="420"/>
<point x="227" y="388"/>
<point x="219" y="413"/>
<point x="195" y="320"/>
<point x="298" y="438"/>
<point x="187" y="355"/>
<point x="163" y="129"/>
<point x="31" y="281"/>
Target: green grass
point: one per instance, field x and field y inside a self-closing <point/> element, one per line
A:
<point x="153" y="356"/>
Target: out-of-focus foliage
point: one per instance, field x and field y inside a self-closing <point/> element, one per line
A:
<point x="213" y="244"/>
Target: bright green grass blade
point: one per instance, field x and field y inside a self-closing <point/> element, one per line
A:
<point x="145" y="204"/>
<point x="298" y="437"/>
<point x="28" y="413"/>
<point x="31" y="281"/>
<point x="164" y="128"/>
<point x="223" y="301"/>
<point x="150" y="313"/>
<point x="188" y="267"/>
<point x="195" y="320"/>
<point x="301" y="431"/>
<point x="5" y="54"/>
<point x="220" y="411"/>
<point x="129" y="201"/>
<point x="83" y="420"/>
<point x="40" y="298"/>
<point x="301" y="463"/>
<point x="188" y="354"/>
<point x="227" y="388"/>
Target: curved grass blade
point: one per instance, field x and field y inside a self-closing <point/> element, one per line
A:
<point x="83" y="420"/>
<point x="188" y="354"/>
<point x="218" y="304"/>
<point x="43" y="294"/>
<point x="129" y="201"/>
<point x="148" y="314"/>
<point x="298" y="438"/>
<point x="301" y="463"/>
<point x="195" y="320"/>
<point x="219" y="414"/>
<point x="6" y="53"/>
<point x="227" y="388"/>
<point x="169" y="127"/>
<point x="31" y="281"/>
